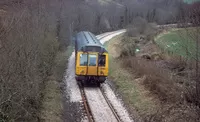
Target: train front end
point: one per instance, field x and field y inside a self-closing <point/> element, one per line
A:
<point x="91" y="59"/>
<point x="91" y="67"/>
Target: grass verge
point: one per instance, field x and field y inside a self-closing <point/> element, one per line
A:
<point x="52" y="106"/>
<point x="134" y="94"/>
<point x="151" y="92"/>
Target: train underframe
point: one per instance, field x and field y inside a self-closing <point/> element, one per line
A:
<point x="91" y="79"/>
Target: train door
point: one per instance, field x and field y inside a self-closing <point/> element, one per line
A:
<point x="103" y="65"/>
<point x="92" y="64"/>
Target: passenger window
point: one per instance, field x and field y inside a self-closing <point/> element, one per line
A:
<point x="102" y="60"/>
<point x="83" y="60"/>
<point x="93" y="59"/>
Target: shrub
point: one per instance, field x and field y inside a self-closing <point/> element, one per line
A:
<point x="28" y="47"/>
<point x="127" y="47"/>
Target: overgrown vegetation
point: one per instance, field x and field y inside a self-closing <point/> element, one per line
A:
<point x="34" y="33"/>
<point x="133" y="94"/>
<point x="138" y="33"/>
<point x="167" y="89"/>
<point x="181" y="46"/>
<point x="156" y="92"/>
<point x="52" y="107"/>
<point x="28" y="47"/>
<point x="170" y="79"/>
<point x="186" y="44"/>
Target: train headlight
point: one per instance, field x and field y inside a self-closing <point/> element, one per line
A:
<point x="82" y="72"/>
<point x="101" y="72"/>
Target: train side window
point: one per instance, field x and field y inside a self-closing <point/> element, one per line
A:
<point x="93" y="60"/>
<point x="102" y="60"/>
<point x="83" y="60"/>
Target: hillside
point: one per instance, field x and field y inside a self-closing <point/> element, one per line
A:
<point x="180" y="42"/>
<point x="36" y="44"/>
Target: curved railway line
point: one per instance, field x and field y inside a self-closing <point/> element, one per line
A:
<point x="99" y="37"/>
<point x="96" y="104"/>
<point x="87" y="109"/>
<point x="87" y="106"/>
<point x="105" y="35"/>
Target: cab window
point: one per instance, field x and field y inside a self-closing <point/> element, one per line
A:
<point x="83" y="60"/>
<point x="102" y="60"/>
<point x="93" y="59"/>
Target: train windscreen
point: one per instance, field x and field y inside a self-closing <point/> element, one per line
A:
<point x="92" y="60"/>
<point x="83" y="60"/>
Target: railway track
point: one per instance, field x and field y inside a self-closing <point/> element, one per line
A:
<point x="109" y="33"/>
<point x="110" y="106"/>
<point x="86" y="105"/>
<point x="87" y="108"/>
<point x="105" y="35"/>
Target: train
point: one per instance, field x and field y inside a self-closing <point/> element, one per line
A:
<point x="91" y="59"/>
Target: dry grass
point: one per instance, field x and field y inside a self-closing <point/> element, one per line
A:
<point x="154" y="91"/>
<point x="52" y="102"/>
<point x="159" y="81"/>
<point x="52" y="106"/>
<point x="135" y="95"/>
<point x="28" y="47"/>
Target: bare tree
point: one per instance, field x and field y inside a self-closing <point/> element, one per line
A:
<point x="28" y="48"/>
<point x="189" y="13"/>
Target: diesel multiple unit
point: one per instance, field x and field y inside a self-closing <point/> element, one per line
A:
<point x="91" y="58"/>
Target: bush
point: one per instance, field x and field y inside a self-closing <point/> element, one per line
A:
<point x="132" y="31"/>
<point x="165" y="86"/>
<point x="141" y="27"/>
<point x="127" y="47"/>
<point x="140" y="24"/>
<point x="28" y="47"/>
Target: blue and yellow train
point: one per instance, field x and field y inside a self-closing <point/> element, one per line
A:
<point x="91" y="58"/>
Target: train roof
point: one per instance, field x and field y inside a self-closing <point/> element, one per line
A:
<point x="86" y="41"/>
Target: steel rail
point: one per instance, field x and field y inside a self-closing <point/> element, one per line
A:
<point x="86" y="105"/>
<point x="110" y="105"/>
<point x="106" y="35"/>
